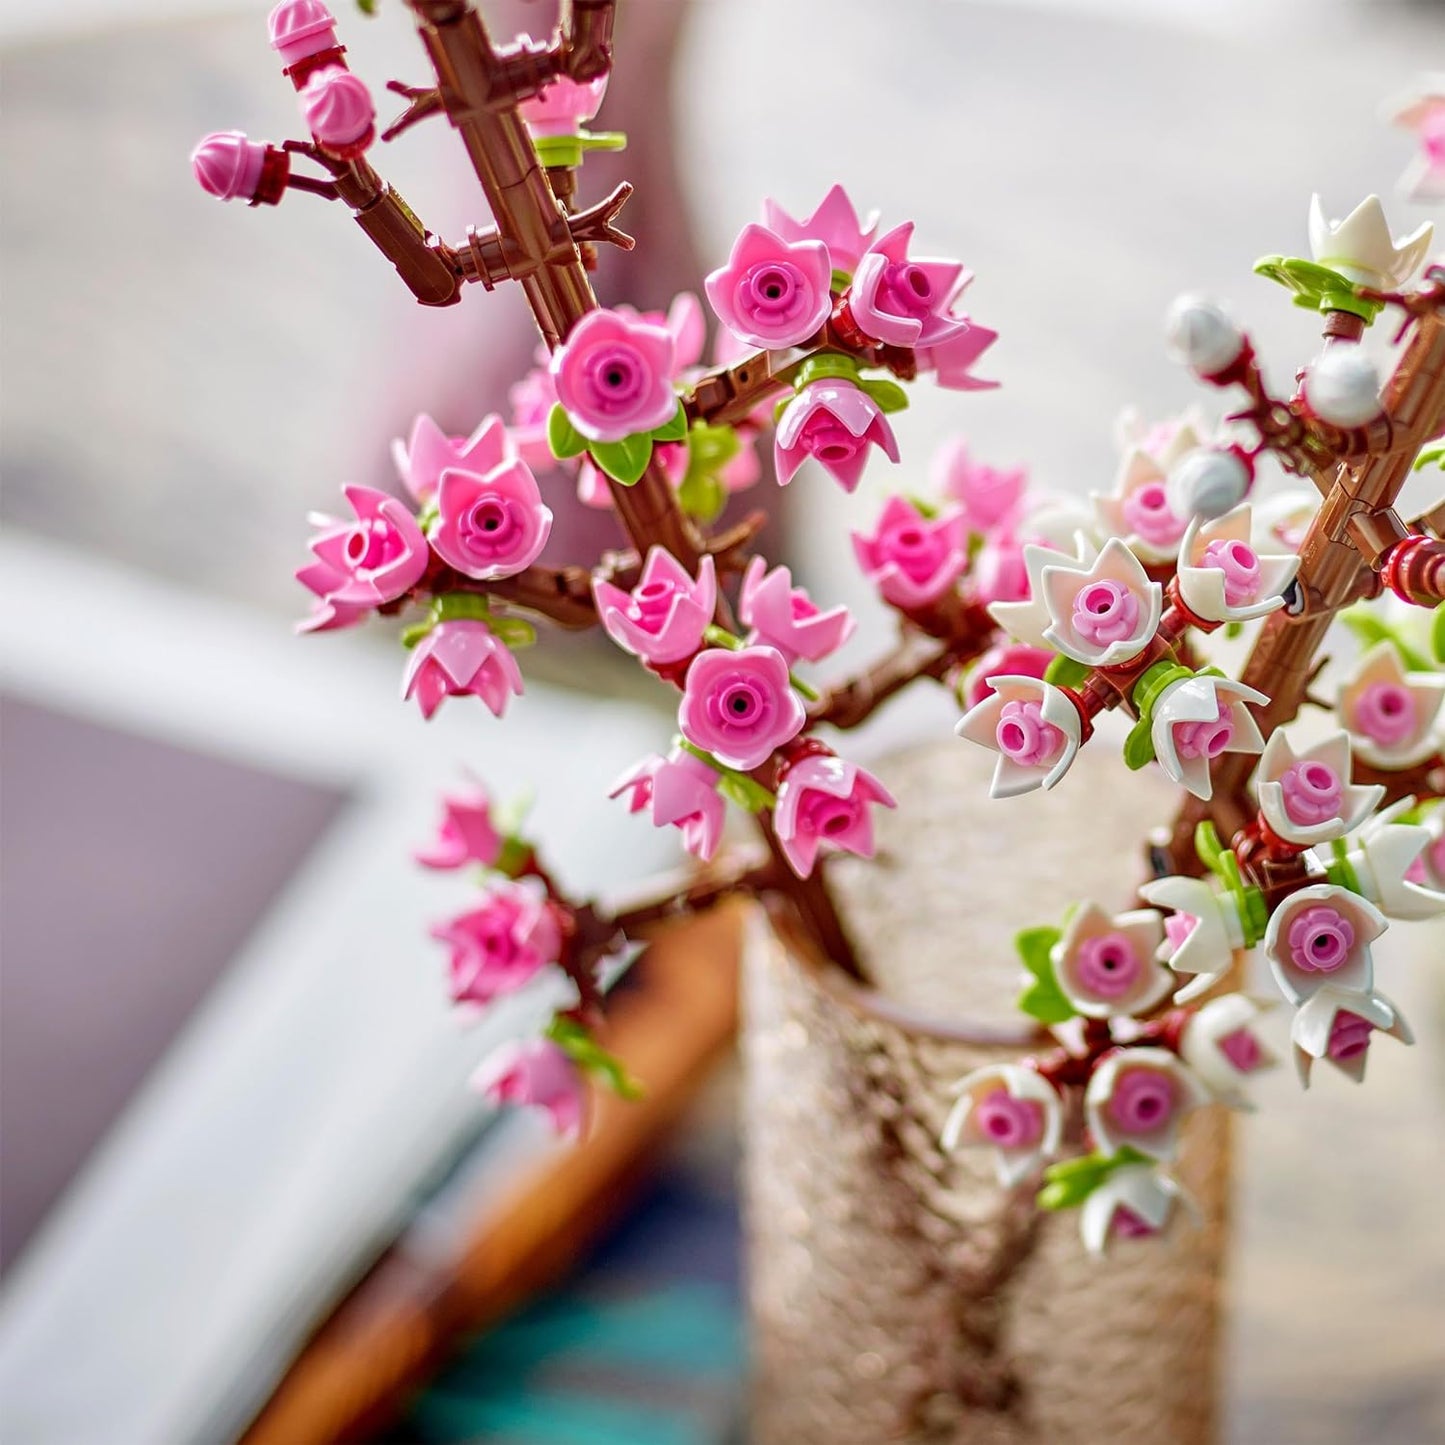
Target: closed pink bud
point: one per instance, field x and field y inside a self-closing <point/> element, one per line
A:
<point x="837" y="424"/>
<point x="462" y="658"/>
<point x="536" y="1072"/>
<point x="228" y="166"/>
<point x="467" y="834"/>
<point x="338" y="108"/>
<point x="680" y="791"/>
<point x="300" y="28"/>
<point x="784" y="616"/>
<point x="563" y="106"/>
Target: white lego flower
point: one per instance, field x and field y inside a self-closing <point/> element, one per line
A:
<point x="1139" y="1097"/>
<point x="1198" y="718"/>
<point x="1223" y="1046"/>
<point x="1202" y="935"/>
<point x="1361" y="248"/>
<point x="1140" y="509"/>
<point x="1339" y="1025"/>
<point x="1028" y="620"/>
<point x="1384" y="861"/>
<point x="1134" y="1202"/>
<point x="1107" y="967"/>
<point x="1390" y="714"/>
<point x="1012" y="1110"/>
<point x="1307" y="798"/>
<point x="1032" y="726"/>
<point x="1283" y="519"/>
<point x="1223" y="577"/>
<point x="1320" y="937"/>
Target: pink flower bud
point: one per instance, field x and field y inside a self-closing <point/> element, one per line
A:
<point x="1349" y="1035"/>
<point x="901" y="301"/>
<point x="614" y="376"/>
<point x="362" y="564"/>
<point x="502" y="944"/>
<point x="990" y="496"/>
<point x="740" y="706"/>
<point x="300" y="28"/>
<point x="681" y="792"/>
<point x="1105" y="611"/>
<point x="1128" y="1225"/>
<point x="563" y="106"/>
<point x="836" y="423"/>
<point x="823" y="803"/>
<point x="1141" y="1101"/>
<point x="1242" y="1050"/>
<point x="1177" y="928"/>
<point x="1385" y="713"/>
<point x="772" y="293"/>
<point x="1007" y="1122"/>
<point x="491" y="526"/>
<point x="466" y="835"/>
<point x="228" y="166"/>
<point x="911" y="559"/>
<point x="1313" y="792"/>
<point x="785" y="617"/>
<point x="536" y="1072"/>
<point x="1320" y="939"/>
<point x="1240" y="565"/>
<point x="462" y="658"/>
<point x="338" y="108"/>
<point x="663" y="618"/>
<point x="1024" y="736"/>
<point x="1147" y="511"/>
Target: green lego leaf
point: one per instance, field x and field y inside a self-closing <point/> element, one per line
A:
<point x="514" y="631"/>
<point x="1067" y="672"/>
<point x="1139" y="745"/>
<point x="1042" y="999"/>
<point x="1068" y="1183"/>
<point x="746" y="792"/>
<point x="1316" y="287"/>
<point x="592" y="1058"/>
<point x="674" y="429"/>
<point x="564" y="438"/>
<point x="1429" y="455"/>
<point x="626" y="460"/>
<point x="1207" y="846"/>
<point x="702" y="496"/>
<point x="888" y="394"/>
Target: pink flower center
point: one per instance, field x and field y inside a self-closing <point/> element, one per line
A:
<point x="1240" y="565"/>
<point x="1242" y="1050"/>
<point x="774" y="291"/>
<point x="1320" y="939"/>
<point x="821" y="815"/>
<point x="1128" y="1225"/>
<point x="1177" y="928"/>
<point x="1312" y="792"/>
<point x="1108" y="965"/>
<point x="489" y="527"/>
<point x="801" y="605"/>
<point x="1024" y="736"/>
<point x="1147" y="512"/>
<point x="650" y="604"/>
<point x="371" y="544"/>
<point x="914" y="549"/>
<point x="1105" y="612"/>
<point x="1205" y="739"/>
<point x="1142" y="1101"/>
<point x="826" y="438"/>
<point x="1432" y="136"/>
<point x="1385" y="713"/>
<point x="1349" y="1036"/>
<point x="615" y="377"/>
<point x="907" y="289"/>
<point x="1007" y="1122"/>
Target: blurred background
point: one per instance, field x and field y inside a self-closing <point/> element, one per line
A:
<point x="227" y="1077"/>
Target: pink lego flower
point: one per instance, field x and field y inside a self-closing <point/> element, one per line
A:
<point x="503" y="944"/>
<point x="614" y="376"/>
<point x="359" y="565"/>
<point x="999" y="572"/>
<point x="1307" y="798"/>
<point x="664" y="617"/>
<point x="836" y="423"/>
<point x="784" y="616"/>
<point x="298" y="29"/>
<point x="536" y="1072"/>
<point x="228" y="166"/>
<point x="1136" y="1202"/>
<point x="904" y="302"/>
<point x="991" y="497"/>
<point x="1008" y="659"/>
<point x="1391" y="715"/>
<point x="823" y="802"/>
<point x="338" y="109"/>
<point x="460" y="658"/>
<point x="912" y="559"/>
<point x="1031" y="725"/>
<point x="740" y="706"/>
<point x="681" y="791"/>
<point x="772" y="293"/>
<point x="532" y="401"/>
<point x="467" y="833"/>
<point x="421" y="460"/>
<point x="490" y="526"/>
<point x="835" y="223"/>
<point x="563" y="106"/>
<point x="952" y="360"/>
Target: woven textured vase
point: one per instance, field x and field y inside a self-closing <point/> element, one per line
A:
<point x="899" y="1294"/>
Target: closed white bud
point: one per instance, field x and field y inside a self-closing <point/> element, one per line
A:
<point x="1342" y="386"/>
<point x="1202" y="336"/>
<point x="1208" y="483"/>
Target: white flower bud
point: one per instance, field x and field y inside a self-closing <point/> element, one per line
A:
<point x="1202" y="336"/>
<point x="1342" y="387"/>
<point x="1208" y="483"/>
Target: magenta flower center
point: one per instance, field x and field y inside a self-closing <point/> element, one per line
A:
<point x="1148" y="514"/>
<point x="908" y="289"/>
<point x="1242" y="1050"/>
<point x="1105" y="612"/>
<point x="373" y="543"/>
<point x="914" y="549"/>
<point x="1107" y="965"/>
<point x="1142" y="1101"/>
<point x="1129" y="1225"/>
<point x="615" y="377"/>
<point x="490" y="526"/>
<point x="1385" y="713"/>
<point x="651" y="603"/>
<point x="826" y="438"/>
<point x="1205" y="739"/>
<point x="1007" y="1122"/>
<point x="1240" y="565"/>
<point x="802" y="606"/>
<point x="821" y="815"/>
<point x="1320" y="939"/>
<point x="1178" y="927"/>
<point x="775" y="291"/>
<point x="1349" y="1036"/>
<point x="1313" y="793"/>
<point x="1024" y="736"/>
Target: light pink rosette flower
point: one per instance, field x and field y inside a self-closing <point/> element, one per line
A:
<point x="681" y="792"/>
<point x="783" y="616"/>
<point x="740" y="706"/>
<point x="1307" y="798"/>
<point x="361" y="564"/>
<point x="1135" y="1202"/>
<point x="1202" y="935"/>
<point x="1032" y="726"/>
<point x="490" y="526"/>
<point x="465" y="835"/>
<point x="1223" y="1045"/>
<point x="835" y="223"/>
<point x="1339" y="1025"/>
<point x="461" y="658"/>
<point x="563" y="106"/>
<point x="429" y="451"/>
<point x="772" y="293"/>
<point x="684" y="321"/>
<point x="228" y="166"/>
<point x="663" y="618"/>
<point x="1106" y="967"/>
<point x="613" y="376"/>
<point x="904" y="302"/>
<point x="536" y="1072"/>
<point x="1390" y="714"/>
<point x="952" y="360"/>
<point x="1007" y="659"/>
<point x="823" y="803"/>
<point x="1224" y="577"/>
<point x="991" y="497"/>
<point x="836" y="423"/>
<point x="1139" y="1096"/>
<point x="1198" y="718"/>
<point x="338" y="109"/>
<point x="1012" y="1110"/>
<point x="1320" y="936"/>
<point x="912" y="559"/>
<point x="503" y="943"/>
